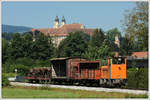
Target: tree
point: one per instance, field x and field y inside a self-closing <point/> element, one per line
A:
<point x="126" y="47"/>
<point x="16" y="47"/>
<point x="27" y="44"/>
<point x="94" y="52"/>
<point x="97" y="38"/>
<point x="112" y="45"/>
<point x="91" y="53"/>
<point x="135" y="25"/>
<point x="42" y="47"/>
<point x="7" y="36"/>
<point x="5" y="50"/>
<point x="112" y="33"/>
<point x="105" y="51"/>
<point x="99" y="46"/>
<point x="74" y="45"/>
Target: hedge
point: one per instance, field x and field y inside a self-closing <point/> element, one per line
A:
<point x="5" y="81"/>
<point x="137" y="78"/>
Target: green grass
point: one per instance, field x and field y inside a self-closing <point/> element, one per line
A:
<point x="10" y="74"/>
<point x="34" y="92"/>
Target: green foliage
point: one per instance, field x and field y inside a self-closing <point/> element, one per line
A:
<point x="74" y="45"/>
<point x="7" y="36"/>
<point x="135" y="25"/>
<point x="137" y="78"/>
<point x="24" y="61"/>
<point x="126" y="47"/>
<point x="97" y="38"/>
<point x="41" y="63"/>
<point x="10" y="74"/>
<point x="33" y="63"/>
<point x="99" y="47"/>
<point x="105" y="51"/>
<point x="94" y="53"/>
<point x="27" y="45"/>
<point x="21" y="69"/>
<point x="91" y="53"/>
<point x="24" y="46"/>
<point x="23" y="65"/>
<point x="5" y="81"/>
<point x="112" y="45"/>
<point x="42" y="47"/>
<point x="5" y="50"/>
<point x="16" y="46"/>
<point x="112" y="33"/>
<point x="23" y="53"/>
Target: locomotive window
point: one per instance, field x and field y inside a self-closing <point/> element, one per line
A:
<point x="114" y="61"/>
<point x="118" y="61"/>
<point x="75" y="68"/>
<point x="121" y="61"/>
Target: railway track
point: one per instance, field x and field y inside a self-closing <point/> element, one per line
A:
<point x="83" y="88"/>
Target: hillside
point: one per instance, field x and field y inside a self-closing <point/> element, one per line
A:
<point x="14" y="29"/>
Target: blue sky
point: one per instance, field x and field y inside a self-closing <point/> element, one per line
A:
<point x="105" y="15"/>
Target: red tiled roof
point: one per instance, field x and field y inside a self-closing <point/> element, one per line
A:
<point x="140" y="54"/>
<point x="74" y="26"/>
<point x="64" y="30"/>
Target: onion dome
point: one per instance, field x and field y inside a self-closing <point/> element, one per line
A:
<point x="63" y="19"/>
<point x="56" y="19"/>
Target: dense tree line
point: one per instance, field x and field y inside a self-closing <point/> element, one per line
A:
<point x="23" y="46"/>
<point x="23" y="53"/>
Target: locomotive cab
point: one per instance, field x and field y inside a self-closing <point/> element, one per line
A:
<point x="118" y="70"/>
<point x="115" y="72"/>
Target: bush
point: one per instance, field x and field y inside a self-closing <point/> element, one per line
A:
<point x="25" y="61"/>
<point x="41" y="63"/>
<point x="21" y="69"/>
<point x="5" y="81"/>
<point x="10" y="74"/>
<point x="137" y="78"/>
<point x="6" y="68"/>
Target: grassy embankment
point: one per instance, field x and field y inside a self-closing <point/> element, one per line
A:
<point x="43" y="92"/>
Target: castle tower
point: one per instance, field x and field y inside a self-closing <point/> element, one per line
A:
<point x="63" y="21"/>
<point x="56" y="24"/>
<point x="117" y="42"/>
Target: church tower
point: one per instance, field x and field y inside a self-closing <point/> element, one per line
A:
<point x="56" y="24"/>
<point x="63" y="21"/>
<point x="117" y="42"/>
